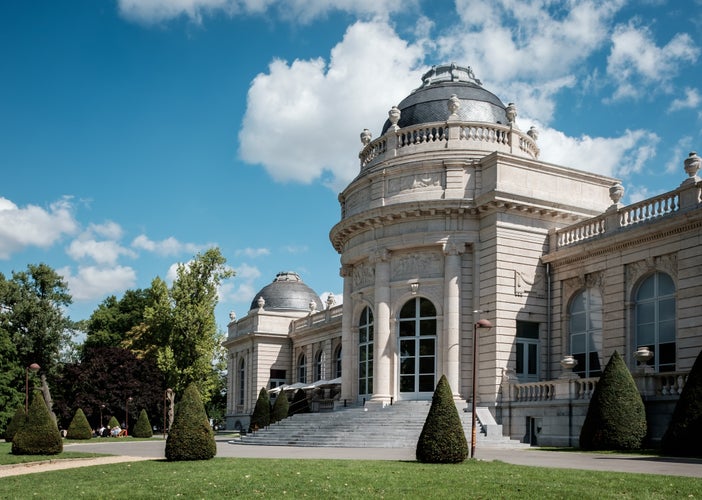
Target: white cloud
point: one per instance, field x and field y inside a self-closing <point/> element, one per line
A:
<point x="168" y="247"/>
<point x="94" y="282"/>
<point x="309" y="110"/>
<point x="677" y="156"/>
<point x="301" y="11"/>
<point x="638" y="65"/>
<point x="691" y="100"/>
<point x="102" y="252"/>
<point x="33" y="225"/>
<point x="252" y="253"/>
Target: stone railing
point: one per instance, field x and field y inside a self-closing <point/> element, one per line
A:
<point x="317" y="320"/>
<point x="617" y="218"/>
<point x="449" y="135"/>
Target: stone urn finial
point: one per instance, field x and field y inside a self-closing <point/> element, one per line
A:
<point x="313" y="306"/>
<point x="511" y="111"/>
<point x="232" y="316"/>
<point x="616" y="192"/>
<point x="366" y="137"/>
<point x="394" y="116"/>
<point x="692" y="164"/>
<point x="331" y="300"/>
<point x="533" y="132"/>
<point x="261" y="302"/>
<point x="568" y="363"/>
<point x="453" y="104"/>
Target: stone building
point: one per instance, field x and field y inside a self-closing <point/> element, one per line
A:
<point x="454" y="230"/>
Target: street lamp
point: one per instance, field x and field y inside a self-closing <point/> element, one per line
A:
<point x="35" y="368"/>
<point x="127" y="420"/>
<point x="102" y="407"/>
<point x="481" y="323"/>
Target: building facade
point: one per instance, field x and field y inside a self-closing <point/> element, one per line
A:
<point x="454" y="230"/>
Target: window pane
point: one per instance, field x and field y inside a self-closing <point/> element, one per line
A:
<point x="533" y="359"/>
<point x="577" y="343"/>
<point x="427" y="327"/>
<point x="666" y="309"/>
<point x="407" y="348"/>
<point x="646" y="335"/>
<point x="407" y="366"/>
<point x="665" y="285"/>
<point x="407" y="384"/>
<point x="645" y="312"/>
<point x="666" y="356"/>
<point x="407" y="328"/>
<point x="426" y="383"/>
<point x="427" y="347"/>
<point x="370" y="333"/>
<point x="409" y="309"/>
<point x="520" y="358"/>
<point x="577" y="323"/>
<point x="426" y="309"/>
<point x="594" y="368"/>
<point x="581" y="366"/>
<point x="578" y="303"/>
<point x="527" y="330"/>
<point x="646" y="290"/>
<point x="426" y="365"/>
<point x="666" y="331"/>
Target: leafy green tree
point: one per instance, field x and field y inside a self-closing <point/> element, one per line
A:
<point x="683" y="437"/>
<point x="191" y="437"/>
<point x="143" y="429"/>
<point x="261" y="417"/>
<point x="79" y="427"/>
<point x="18" y="420"/>
<point x="113" y="319"/>
<point x="280" y="408"/>
<point x="39" y="435"/>
<point x="442" y="440"/>
<point x="11" y="373"/>
<point x="616" y="416"/>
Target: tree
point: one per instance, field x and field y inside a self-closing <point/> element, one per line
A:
<point x="113" y="319"/>
<point x="616" y="416"/>
<point x="280" y="408"/>
<point x="18" y="420"/>
<point x="683" y="437"/>
<point x="11" y="373"/>
<point x="261" y="417"/>
<point x="79" y="427"/>
<point x="191" y="437"/>
<point x="39" y="435"/>
<point x="143" y="429"/>
<point x="442" y="440"/>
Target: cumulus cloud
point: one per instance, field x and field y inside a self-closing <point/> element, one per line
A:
<point x="311" y="109"/>
<point x="95" y="282"/>
<point x="102" y="252"/>
<point x="252" y="253"/>
<point x="690" y="100"/>
<point x="168" y="247"/>
<point x="33" y="225"/>
<point x="637" y="64"/>
<point x="301" y="11"/>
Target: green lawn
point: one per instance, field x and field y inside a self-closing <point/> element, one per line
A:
<point x="7" y="458"/>
<point x="264" y="478"/>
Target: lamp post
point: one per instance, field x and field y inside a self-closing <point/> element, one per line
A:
<point x="102" y="407"/>
<point x="481" y="323"/>
<point x="35" y="368"/>
<point x="126" y="423"/>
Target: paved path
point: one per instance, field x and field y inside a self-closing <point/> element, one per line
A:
<point x="152" y="450"/>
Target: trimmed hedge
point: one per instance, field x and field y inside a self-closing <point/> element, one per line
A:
<point x="191" y="437"/>
<point x="442" y="440"/>
<point x="616" y="417"/>
<point x="142" y="429"/>
<point x="39" y="435"/>
<point x="17" y="421"/>
<point x="261" y="417"/>
<point x="79" y="428"/>
<point x="683" y="437"/>
<point x="113" y="422"/>
<point x="280" y="408"/>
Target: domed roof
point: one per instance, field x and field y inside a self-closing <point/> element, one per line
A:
<point x="287" y="292"/>
<point x="428" y="103"/>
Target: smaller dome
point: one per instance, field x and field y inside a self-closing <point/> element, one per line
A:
<point x="287" y="292"/>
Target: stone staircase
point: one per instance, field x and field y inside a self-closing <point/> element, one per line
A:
<point x="395" y="426"/>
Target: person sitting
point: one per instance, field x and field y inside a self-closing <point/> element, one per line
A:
<point x="114" y="432"/>
<point x="122" y="433"/>
<point x="105" y="432"/>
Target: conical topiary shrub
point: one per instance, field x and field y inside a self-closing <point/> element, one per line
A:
<point x="113" y="422"/>
<point x="442" y="440"/>
<point x="191" y="437"/>
<point x="79" y="427"/>
<point x="280" y="408"/>
<point x="683" y="437"/>
<point x="299" y="403"/>
<point x="18" y="420"/>
<point x="261" y="417"/>
<point x="616" y="417"/>
<point x="143" y="429"/>
<point x="39" y="435"/>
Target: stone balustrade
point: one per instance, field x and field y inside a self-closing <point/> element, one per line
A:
<point x="317" y="320"/>
<point x="451" y="135"/>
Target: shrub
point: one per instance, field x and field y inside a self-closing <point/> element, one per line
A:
<point x="79" y="427"/>
<point x="143" y="429"/>
<point x="280" y="408"/>
<point x="191" y="437"/>
<point x="299" y="403"/>
<point x="17" y="421"/>
<point x="442" y="440"/>
<point x="113" y="422"/>
<point x="684" y="434"/>
<point x="261" y="417"/>
<point x="616" y="417"/>
<point x="39" y="435"/>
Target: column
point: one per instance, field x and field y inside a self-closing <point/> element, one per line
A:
<point x="348" y="347"/>
<point x="452" y="314"/>
<point x="382" y="350"/>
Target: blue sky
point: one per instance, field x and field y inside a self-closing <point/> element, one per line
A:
<point x="135" y="133"/>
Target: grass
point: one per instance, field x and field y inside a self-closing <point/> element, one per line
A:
<point x="7" y="458"/>
<point x="267" y="478"/>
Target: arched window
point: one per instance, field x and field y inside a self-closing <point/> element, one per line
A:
<point x="302" y="369"/>
<point x="319" y="367"/>
<point x="585" y="328"/>
<point x="242" y="381"/>
<point x="655" y="320"/>
<point x="365" y="352"/>
<point x="417" y="346"/>
<point x="337" y="362"/>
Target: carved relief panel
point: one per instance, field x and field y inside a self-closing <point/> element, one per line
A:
<point x="415" y="265"/>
